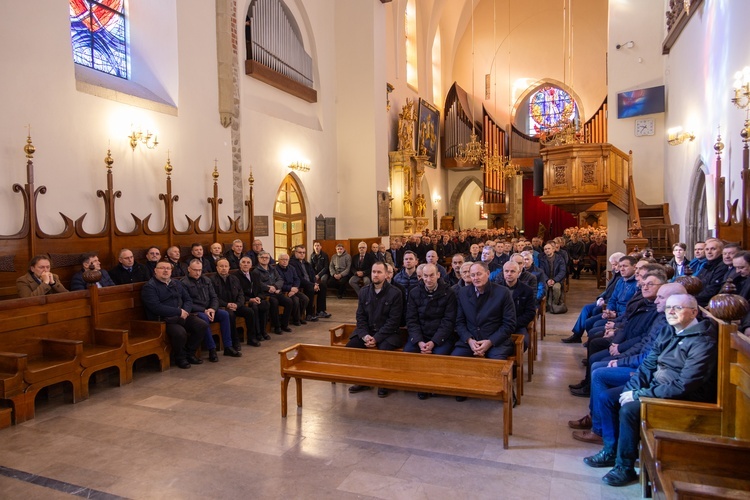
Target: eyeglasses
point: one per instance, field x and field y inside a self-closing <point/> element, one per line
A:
<point x="649" y="285"/>
<point x="676" y="308"/>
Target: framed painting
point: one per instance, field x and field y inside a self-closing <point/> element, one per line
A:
<point x="428" y="131"/>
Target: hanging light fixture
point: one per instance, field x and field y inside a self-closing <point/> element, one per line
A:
<point x="473" y="151"/>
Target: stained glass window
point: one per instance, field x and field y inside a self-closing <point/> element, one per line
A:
<point x="549" y="108"/>
<point x="97" y="31"/>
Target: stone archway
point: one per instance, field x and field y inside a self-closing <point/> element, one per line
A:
<point x="697" y="216"/>
<point x="458" y="193"/>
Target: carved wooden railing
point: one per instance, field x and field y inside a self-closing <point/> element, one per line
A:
<point x="733" y="220"/>
<point x="678" y="15"/>
<point x="66" y="247"/>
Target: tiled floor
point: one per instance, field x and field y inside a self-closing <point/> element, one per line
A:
<point x="215" y="431"/>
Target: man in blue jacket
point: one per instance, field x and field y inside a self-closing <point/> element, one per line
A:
<point x="90" y="261"/>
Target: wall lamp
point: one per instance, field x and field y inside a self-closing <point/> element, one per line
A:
<point x="741" y="97"/>
<point x="675" y="136"/>
<point x="627" y="45"/>
<point x="299" y="166"/>
<point x="148" y="139"/>
<point x="436" y="199"/>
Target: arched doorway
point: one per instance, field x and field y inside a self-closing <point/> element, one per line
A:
<point x="697" y="217"/>
<point x="289" y="217"/>
<point x="464" y="203"/>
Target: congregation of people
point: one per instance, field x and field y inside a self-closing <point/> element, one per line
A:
<point x="646" y="336"/>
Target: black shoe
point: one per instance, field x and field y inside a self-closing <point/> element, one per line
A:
<point x="286" y="329"/>
<point x="253" y="343"/>
<point x="303" y="321"/>
<point x="193" y="360"/>
<point x="359" y="388"/>
<point x="294" y="323"/>
<point x="277" y="331"/>
<point x="620" y="476"/>
<point x="340" y="296"/>
<point x="605" y="458"/>
<point x="573" y="339"/>
<point x="382" y="393"/>
<point x="324" y="314"/>
<point x="311" y="318"/>
<point x="231" y="351"/>
<point x="238" y="345"/>
<point x="266" y="336"/>
<point x="212" y="356"/>
<point x="182" y="363"/>
<point x="583" y="392"/>
<point x="460" y="399"/>
<point x="579" y="385"/>
<point x="423" y="395"/>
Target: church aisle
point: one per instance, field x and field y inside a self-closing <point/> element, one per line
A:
<point x="215" y="431"/>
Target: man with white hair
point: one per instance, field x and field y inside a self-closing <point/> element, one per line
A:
<point x="681" y="365"/>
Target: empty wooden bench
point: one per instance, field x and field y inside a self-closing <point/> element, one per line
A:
<point x="450" y="375"/>
<point x="340" y="336"/>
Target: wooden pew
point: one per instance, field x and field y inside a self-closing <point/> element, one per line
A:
<point x="340" y="336"/>
<point x="685" y="443"/>
<point x="451" y="375"/>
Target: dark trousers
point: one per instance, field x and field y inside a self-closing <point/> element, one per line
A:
<point x="251" y="321"/>
<point x="299" y="306"/>
<point x="275" y="301"/>
<point x="340" y="284"/>
<point x="185" y="335"/>
<point x="495" y="352"/>
<point x="260" y="312"/>
<point x="445" y="349"/>
<point x="358" y="343"/>
<point x="319" y="296"/>
<point x="620" y="426"/>
<point x="588" y="311"/>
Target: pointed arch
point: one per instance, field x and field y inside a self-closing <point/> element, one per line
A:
<point x="458" y="193"/>
<point x="696" y="211"/>
<point x="289" y="217"/>
<point x="521" y="104"/>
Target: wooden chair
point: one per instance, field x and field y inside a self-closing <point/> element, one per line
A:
<point x="601" y="271"/>
<point x="541" y="313"/>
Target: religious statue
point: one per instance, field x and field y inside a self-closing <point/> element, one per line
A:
<point x="406" y="120"/>
<point x="426" y="135"/>
<point x="421" y="205"/>
<point x="407" y="204"/>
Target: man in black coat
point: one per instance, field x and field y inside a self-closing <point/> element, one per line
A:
<point x="523" y="299"/>
<point x="311" y="287"/>
<point x="165" y="299"/>
<point x="128" y="270"/>
<point x="486" y="317"/>
<point x="232" y="300"/>
<point x="251" y="292"/>
<point x="361" y="265"/>
<point x="713" y="271"/>
<point x="378" y="317"/>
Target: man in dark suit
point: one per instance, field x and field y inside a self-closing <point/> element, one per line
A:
<point x="361" y="265"/>
<point x="251" y="292"/>
<point x="90" y="261"/>
<point x="397" y="253"/>
<point x="128" y="270"/>
<point x="486" y="317"/>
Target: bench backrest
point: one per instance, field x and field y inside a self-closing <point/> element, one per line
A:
<point x="399" y="361"/>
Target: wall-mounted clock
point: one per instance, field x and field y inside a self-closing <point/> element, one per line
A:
<point x="644" y="127"/>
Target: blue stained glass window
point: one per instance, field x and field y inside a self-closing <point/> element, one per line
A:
<point x="98" y="34"/>
<point x="550" y="107"/>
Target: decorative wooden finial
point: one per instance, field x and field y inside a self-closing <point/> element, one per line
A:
<point x="108" y="161"/>
<point x="719" y="146"/>
<point x="168" y="166"/>
<point x="215" y="173"/>
<point x="250" y="179"/>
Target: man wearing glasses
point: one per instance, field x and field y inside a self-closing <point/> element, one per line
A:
<point x="167" y="300"/>
<point x="681" y="365"/>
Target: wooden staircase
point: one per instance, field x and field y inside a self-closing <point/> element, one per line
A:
<point x="658" y="228"/>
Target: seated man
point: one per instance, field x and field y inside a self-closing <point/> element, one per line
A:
<point x="430" y="317"/>
<point x="153" y="257"/>
<point x="384" y="254"/>
<point x="196" y="252"/>
<point x="488" y="257"/>
<point x="173" y="257"/>
<point x="234" y="254"/>
<point x="378" y="317"/>
<point x="206" y="307"/>
<point x="39" y="280"/>
<point x="713" y="271"/>
<point x="320" y="263"/>
<point x="596" y="308"/>
<point x="474" y="254"/>
<point x="465" y="278"/>
<point x="339" y="270"/>
<point x="215" y="253"/>
<point x="251" y="292"/>
<point x="269" y="288"/>
<point x="291" y="288"/>
<point x="523" y="299"/>
<point x="432" y="258"/>
<point x="454" y="277"/>
<point x="361" y="264"/>
<point x="554" y="267"/>
<point x="699" y="260"/>
<point x="541" y="278"/>
<point x="681" y="365"/>
<point x="90" y="262"/>
<point x="407" y="276"/>
<point x="232" y="300"/>
<point x="625" y="289"/>
<point x="165" y="299"/>
<point x="314" y="290"/>
<point x="486" y="317"/>
<point x="257" y="247"/>
<point x="128" y="270"/>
